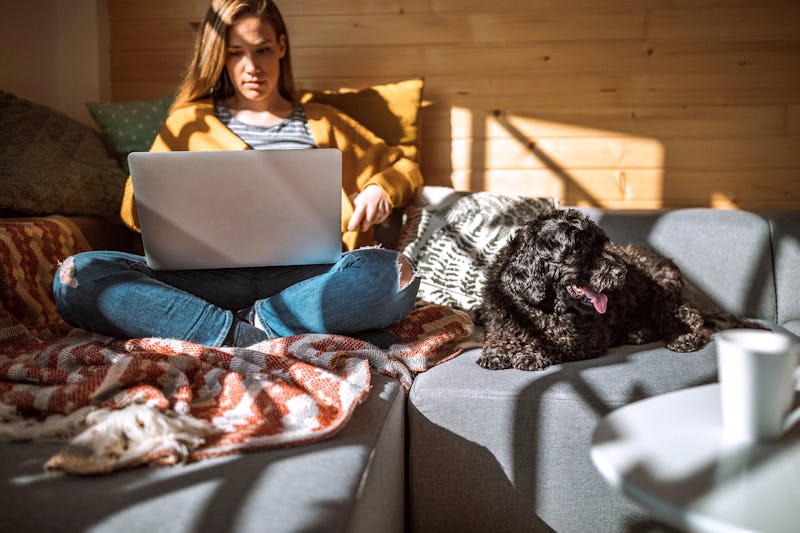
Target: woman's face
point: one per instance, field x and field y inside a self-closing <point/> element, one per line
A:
<point x="253" y="61"/>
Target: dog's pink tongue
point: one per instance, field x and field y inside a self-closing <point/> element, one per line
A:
<point x="599" y="300"/>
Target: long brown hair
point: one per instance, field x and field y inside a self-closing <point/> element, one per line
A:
<point x="206" y="74"/>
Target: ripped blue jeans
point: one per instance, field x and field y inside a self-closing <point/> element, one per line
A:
<point x="117" y="294"/>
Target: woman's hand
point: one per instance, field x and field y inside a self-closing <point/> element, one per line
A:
<point x="371" y="206"/>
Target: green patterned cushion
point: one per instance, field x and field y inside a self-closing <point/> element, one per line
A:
<point x="453" y="236"/>
<point x="130" y="126"/>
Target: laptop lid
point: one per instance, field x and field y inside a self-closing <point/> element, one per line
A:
<point x="247" y="208"/>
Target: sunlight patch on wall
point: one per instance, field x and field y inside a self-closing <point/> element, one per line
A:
<point x="515" y="154"/>
<point x="721" y="200"/>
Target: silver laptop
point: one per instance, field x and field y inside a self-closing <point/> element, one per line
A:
<point x="245" y="208"/>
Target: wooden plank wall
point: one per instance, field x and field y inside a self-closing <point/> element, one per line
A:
<point x="619" y="103"/>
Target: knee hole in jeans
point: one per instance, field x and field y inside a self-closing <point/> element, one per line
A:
<point x="68" y="272"/>
<point x="405" y="271"/>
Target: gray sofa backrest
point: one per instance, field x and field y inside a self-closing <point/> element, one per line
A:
<point x="725" y="253"/>
<point x="785" y="228"/>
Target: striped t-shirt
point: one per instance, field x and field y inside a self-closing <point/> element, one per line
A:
<point x="291" y="133"/>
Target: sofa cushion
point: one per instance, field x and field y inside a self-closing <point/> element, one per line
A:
<point x="52" y="164"/>
<point x="132" y="125"/>
<point x="793" y="326"/>
<point x="352" y="482"/>
<point x="390" y="111"/>
<point x="30" y="250"/>
<point x="508" y="450"/>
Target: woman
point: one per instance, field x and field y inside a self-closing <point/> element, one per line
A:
<point x="238" y="93"/>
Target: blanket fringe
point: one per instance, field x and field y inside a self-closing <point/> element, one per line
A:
<point x="104" y="440"/>
<point x="131" y="436"/>
<point x="15" y="427"/>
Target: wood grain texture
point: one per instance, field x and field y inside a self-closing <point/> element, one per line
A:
<point x="621" y="103"/>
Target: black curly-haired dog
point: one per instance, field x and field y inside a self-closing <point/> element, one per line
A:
<point x="561" y="291"/>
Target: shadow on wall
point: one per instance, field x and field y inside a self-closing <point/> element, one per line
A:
<point x="518" y="154"/>
<point x="620" y="160"/>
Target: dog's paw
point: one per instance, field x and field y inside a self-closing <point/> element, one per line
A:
<point x="529" y="362"/>
<point x="492" y="360"/>
<point x="690" y="317"/>
<point x="689" y="342"/>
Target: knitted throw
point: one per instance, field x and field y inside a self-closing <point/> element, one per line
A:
<point x="123" y="403"/>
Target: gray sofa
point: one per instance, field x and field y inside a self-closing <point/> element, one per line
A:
<point x="509" y="450"/>
<point x="467" y="449"/>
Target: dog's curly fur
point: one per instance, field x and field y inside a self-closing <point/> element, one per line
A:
<point x="561" y="291"/>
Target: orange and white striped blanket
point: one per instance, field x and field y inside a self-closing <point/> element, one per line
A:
<point x="123" y="403"/>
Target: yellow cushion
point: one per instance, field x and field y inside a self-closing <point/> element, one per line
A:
<point x="390" y="111"/>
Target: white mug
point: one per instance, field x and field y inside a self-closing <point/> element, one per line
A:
<point x="757" y="374"/>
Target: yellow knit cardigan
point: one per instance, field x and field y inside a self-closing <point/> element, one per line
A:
<point x="366" y="159"/>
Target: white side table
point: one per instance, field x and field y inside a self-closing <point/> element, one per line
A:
<point x="666" y="453"/>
